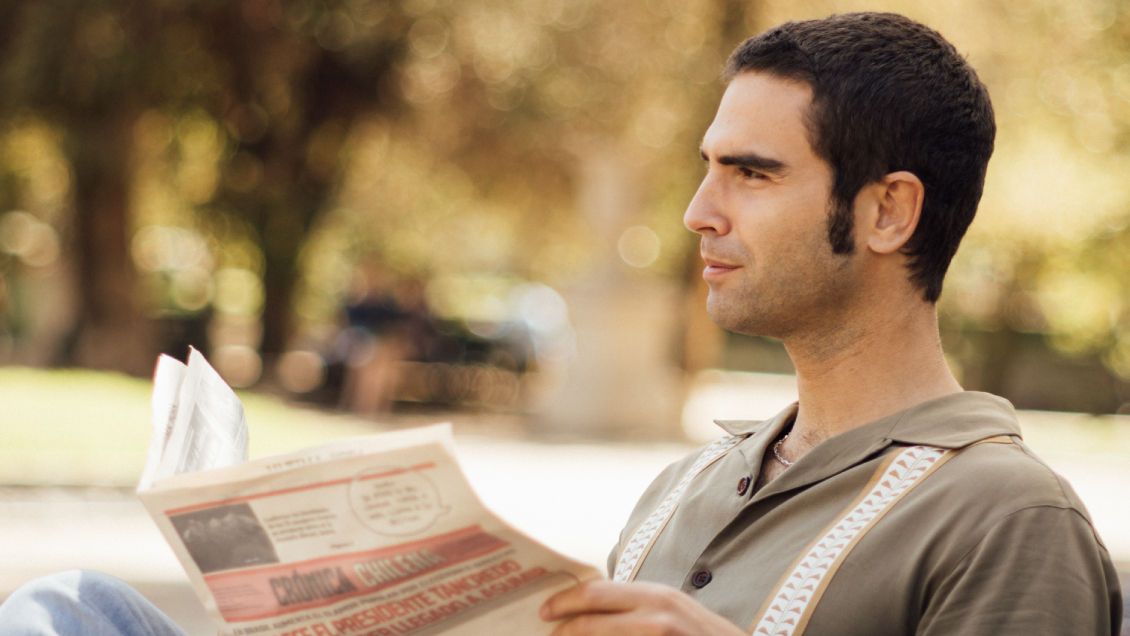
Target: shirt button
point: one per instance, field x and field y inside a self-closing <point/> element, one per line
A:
<point x="701" y="578"/>
<point x="743" y="486"/>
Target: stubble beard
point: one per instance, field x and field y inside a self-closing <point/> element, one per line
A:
<point x="799" y="302"/>
<point x="745" y="311"/>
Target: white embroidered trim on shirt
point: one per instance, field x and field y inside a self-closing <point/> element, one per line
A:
<point x="643" y="537"/>
<point x="793" y="597"/>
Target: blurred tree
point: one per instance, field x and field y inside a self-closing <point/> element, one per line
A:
<point x="283" y="81"/>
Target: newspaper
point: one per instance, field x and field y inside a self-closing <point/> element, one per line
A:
<point x="372" y="536"/>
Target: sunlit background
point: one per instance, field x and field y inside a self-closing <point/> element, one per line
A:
<point x="408" y="210"/>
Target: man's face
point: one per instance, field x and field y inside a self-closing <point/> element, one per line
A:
<point x="762" y="211"/>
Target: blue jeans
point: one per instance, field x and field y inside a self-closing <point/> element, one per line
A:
<point x="81" y="603"/>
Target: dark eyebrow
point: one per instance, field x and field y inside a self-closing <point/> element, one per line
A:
<point x="751" y="161"/>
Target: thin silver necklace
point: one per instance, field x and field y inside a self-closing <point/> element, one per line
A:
<point x="777" y="454"/>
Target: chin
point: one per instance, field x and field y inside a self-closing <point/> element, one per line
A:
<point x="745" y="318"/>
<point x="732" y="318"/>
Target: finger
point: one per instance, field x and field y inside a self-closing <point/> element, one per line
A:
<point x="617" y="624"/>
<point x="591" y="597"/>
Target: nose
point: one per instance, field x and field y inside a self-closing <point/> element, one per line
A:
<point x="704" y="213"/>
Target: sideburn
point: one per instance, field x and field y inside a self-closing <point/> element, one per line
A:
<point x="841" y="223"/>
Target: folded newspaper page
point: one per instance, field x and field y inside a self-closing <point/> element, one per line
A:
<point x="372" y="536"/>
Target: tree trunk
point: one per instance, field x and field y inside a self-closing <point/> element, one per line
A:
<point x="111" y="332"/>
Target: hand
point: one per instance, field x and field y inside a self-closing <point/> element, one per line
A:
<point x="604" y="608"/>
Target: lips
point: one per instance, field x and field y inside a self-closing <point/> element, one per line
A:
<point x="716" y="268"/>
<point x="711" y="262"/>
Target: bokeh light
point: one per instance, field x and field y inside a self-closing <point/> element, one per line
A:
<point x="639" y="246"/>
<point x="301" y="371"/>
<point x="34" y="242"/>
<point x="239" y="292"/>
<point x="158" y="249"/>
<point x="240" y="366"/>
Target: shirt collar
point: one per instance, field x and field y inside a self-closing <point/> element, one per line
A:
<point x="954" y="421"/>
<point x="752" y="427"/>
<point x="951" y="421"/>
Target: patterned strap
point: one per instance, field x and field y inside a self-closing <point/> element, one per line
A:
<point x="789" y="607"/>
<point x="644" y="537"/>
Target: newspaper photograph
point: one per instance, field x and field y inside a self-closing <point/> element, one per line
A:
<point x="373" y="536"/>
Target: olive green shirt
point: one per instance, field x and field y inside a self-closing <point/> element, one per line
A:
<point x="991" y="543"/>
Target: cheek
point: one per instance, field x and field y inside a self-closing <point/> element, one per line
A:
<point x="766" y="227"/>
<point x="807" y="217"/>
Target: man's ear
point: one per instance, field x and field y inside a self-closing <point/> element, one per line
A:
<point x="898" y="206"/>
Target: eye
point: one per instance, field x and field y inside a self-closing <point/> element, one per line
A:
<point x="750" y="174"/>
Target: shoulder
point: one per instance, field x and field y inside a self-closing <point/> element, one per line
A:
<point x="1003" y="478"/>
<point x="984" y="476"/>
<point x="1004" y="490"/>
<point x="1004" y="546"/>
<point x="1014" y="525"/>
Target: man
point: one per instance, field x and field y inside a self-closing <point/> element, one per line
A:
<point x="845" y="163"/>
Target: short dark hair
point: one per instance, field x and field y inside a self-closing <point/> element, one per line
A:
<point x="888" y="94"/>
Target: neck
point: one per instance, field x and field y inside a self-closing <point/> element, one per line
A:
<point x="882" y="364"/>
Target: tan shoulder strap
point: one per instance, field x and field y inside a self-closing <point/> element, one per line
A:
<point x="637" y="547"/>
<point x="788" y="609"/>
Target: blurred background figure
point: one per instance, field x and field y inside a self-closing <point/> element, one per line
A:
<point x="372" y="344"/>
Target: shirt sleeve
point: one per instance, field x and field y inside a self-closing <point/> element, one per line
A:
<point x="1040" y="570"/>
